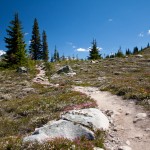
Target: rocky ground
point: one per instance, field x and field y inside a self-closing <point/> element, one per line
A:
<point x="29" y="102"/>
<point x="129" y="123"/>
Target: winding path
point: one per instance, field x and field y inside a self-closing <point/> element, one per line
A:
<point x="123" y="130"/>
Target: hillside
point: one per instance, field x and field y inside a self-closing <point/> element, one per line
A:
<point x="128" y="77"/>
<point x="26" y="105"/>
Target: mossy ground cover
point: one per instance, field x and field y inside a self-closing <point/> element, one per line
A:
<point x="128" y="77"/>
<point x="19" y="116"/>
<point x="21" y="111"/>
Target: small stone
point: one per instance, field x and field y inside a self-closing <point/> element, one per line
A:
<point x="111" y="121"/>
<point x="139" y="116"/>
<point x="40" y="78"/>
<point x="127" y="113"/>
<point x="124" y="148"/>
<point x="22" y="70"/>
<point x="109" y="113"/>
<point x="128" y="142"/>
<point x="148" y="129"/>
<point x="115" y="129"/>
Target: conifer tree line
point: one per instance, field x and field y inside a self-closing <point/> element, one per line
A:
<point x="38" y="50"/>
<point x="128" y="52"/>
<point x="16" y="48"/>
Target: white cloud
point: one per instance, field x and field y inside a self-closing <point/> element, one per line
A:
<point x="2" y="52"/>
<point x="26" y="33"/>
<point x="141" y="34"/>
<point x="87" y="49"/>
<point x="82" y="50"/>
<point x="110" y="20"/>
<point x="148" y="32"/>
<point x="99" y="48"/>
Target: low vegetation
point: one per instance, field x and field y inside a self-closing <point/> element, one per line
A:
<point x="128" y="77"/>
<point x="26" y="105"/>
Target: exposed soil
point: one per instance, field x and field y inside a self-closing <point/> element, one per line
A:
<point x="123" y="130"/>
<point x="121" y="113"/>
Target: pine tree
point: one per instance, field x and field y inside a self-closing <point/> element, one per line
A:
<point x="119" y="53"/>
<point x="148" y="45"/>
<point x="135" y="50"/>
<point x="128" y="52"/>
<point x="56" y="55"/>
<point x="35" y="46"/>
<point x="63" y="57"/>
<point x="44" y="47"/>
<point x="94" y="51"/>
<point x="16" y="53"/>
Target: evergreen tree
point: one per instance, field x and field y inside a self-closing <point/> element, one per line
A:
<point x="112" y="56"/>
<point x="35" y="46"/>
<point x="135" y="50"/>
<point x="148" y="45"/>
<point x="16" y="53"/>
<point x="94" y="51"/>
<point x="52" y="58"/>
<point x="44" y="47"/>
<point x="128" y="52"/>
<point x="107" y="56"/>
<point x="63" y="57"/>
<point x="56" y="55"/>
<point x="119" y="53"/>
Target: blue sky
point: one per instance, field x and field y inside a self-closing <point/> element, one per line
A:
<point x="71" y="25"/>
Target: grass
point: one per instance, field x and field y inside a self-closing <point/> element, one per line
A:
<point x="20" y="116"/>
<point x="56" y="144"/>
<point x="23" y="110"/>
<point x="128" y="77"/>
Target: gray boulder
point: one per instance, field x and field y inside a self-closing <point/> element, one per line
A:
<point x="59" y="129"/>
<point x="22" y="70"/>
<point x="91" y="117"/>
<point x="139" y="56"/>
<point x="65" y="69"/>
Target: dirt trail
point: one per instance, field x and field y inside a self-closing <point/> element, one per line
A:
<point x="41" y="77"/>
<point x="122" y="129"/>
<point x="121" y="113"/>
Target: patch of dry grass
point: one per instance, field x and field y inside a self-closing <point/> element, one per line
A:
<point x="20" y="116"/>
<point x="128" y="77"/>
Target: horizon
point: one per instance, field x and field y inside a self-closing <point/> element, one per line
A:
<point x="72" y="25"/>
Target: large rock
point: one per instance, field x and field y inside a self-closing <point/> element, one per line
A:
<point x="60" y="129"/>
<point x="91" y="117"/>
<point x="139" y="116"/>
<point x="65" y="69"/>
<point x="22" y="70"/>
<point x="139" y="56"/>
